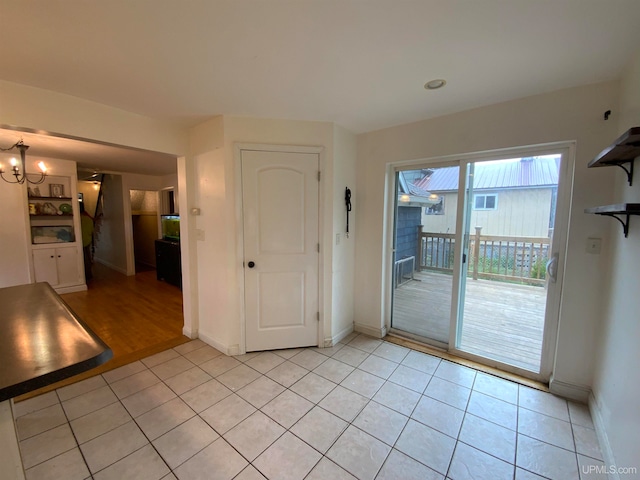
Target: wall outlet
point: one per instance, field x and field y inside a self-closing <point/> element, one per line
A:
<point x="337" y="239"/>
<point x="594" y="245"/>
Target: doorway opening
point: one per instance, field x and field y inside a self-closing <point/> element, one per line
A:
<point x="145" y="228"/>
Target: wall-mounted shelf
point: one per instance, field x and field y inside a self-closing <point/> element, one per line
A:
<point x="623" y="151"/>
<point x="619" y="211"/>
<point x="50" y="198"/>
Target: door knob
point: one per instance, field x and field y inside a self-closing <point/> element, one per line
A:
<point x="251" y="264"/>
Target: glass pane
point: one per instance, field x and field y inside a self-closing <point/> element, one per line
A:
<point x="490" y="202"/>
<point x="425" y="224"/>
<point x="479" y="202"/>
<point x="503" y="296"/>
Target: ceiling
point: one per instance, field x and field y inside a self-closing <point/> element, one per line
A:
<point x="361" y="64"/>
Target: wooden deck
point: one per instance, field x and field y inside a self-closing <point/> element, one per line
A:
<point x="501" y="321"/>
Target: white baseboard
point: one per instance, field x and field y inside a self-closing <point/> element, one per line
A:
<point x="369" y="330"/>
<point x="579" y="393"/>
<point x="111" y="266"/>
<point x="187" y="332"/>
<point x="233" y="350"/>
<point x="603" y="438"/>
<point x="331" y="341"/>
<point x="71" y="289"/>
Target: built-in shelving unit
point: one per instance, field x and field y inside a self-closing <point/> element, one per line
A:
<point x="52" y="216"/>
<point x="623" y="151"/>
<point x="54" y="227"/>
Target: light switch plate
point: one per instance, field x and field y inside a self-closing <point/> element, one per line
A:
<point x="594" y="245"/>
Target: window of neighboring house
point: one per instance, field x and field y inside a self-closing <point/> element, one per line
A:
<point x="437" y="208"/>
<point x="485" y="202"/>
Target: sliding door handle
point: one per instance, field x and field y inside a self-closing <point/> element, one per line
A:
<point x="552" y="268"/>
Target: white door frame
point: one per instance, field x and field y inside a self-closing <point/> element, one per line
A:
<point x="238" y="148"/>
<point x="561" y="229"/>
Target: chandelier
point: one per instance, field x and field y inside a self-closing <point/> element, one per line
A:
<point x="18" y="170"/>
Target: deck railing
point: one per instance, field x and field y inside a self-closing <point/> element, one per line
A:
<point x="496" y="257"/>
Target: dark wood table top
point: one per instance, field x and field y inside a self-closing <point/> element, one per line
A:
<point x="42" y="341"/>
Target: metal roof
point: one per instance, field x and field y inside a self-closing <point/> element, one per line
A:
<point x="410" y="188"/>
<point x="517" y="173"/>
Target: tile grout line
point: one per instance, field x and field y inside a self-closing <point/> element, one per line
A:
<point x="369" y="399"/>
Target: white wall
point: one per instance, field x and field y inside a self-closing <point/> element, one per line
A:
<point x="573" y="114"/>
<point x="14" y="238"/>
<point x="616" y="386"/>
<point x="213" y="180"/>
<point x="216" y="284"/>
<point x="204" y="140"/>
<point x="344" y="175"/>
<point x="39" y="109"/>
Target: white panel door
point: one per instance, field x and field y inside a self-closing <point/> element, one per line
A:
<point x="280" y="217"/>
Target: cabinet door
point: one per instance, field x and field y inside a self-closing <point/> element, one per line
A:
<point x="67" y="264"/>
<point x="44" y="264"/>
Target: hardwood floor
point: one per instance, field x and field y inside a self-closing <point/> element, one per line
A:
<point x="136" y="316"/>
<point x="129" y="313"/>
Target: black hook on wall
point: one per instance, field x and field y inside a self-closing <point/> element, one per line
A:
<point x="347" y="201"/>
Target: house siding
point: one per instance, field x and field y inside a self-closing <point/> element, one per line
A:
<point x="407" y="221"/>
<point x="519" y="213"/>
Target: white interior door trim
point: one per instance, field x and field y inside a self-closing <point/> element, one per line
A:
<point x="238" y="148"/>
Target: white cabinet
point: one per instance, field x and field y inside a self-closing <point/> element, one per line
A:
<point x="58" y="266"/>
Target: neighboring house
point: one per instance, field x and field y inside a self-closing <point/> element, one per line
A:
<point x="412" y="200"/>
<point x="510" y="197"/>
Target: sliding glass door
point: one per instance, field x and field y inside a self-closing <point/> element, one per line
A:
<point x="473" y="245"/>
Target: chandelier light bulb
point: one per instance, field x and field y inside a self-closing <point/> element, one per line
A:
<point x="19" y="171"/>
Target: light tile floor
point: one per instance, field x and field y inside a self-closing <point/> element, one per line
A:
<point x="365" y="409"/>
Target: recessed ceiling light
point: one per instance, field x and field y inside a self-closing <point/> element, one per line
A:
<point x="435" y="84"/>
